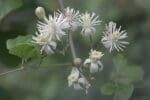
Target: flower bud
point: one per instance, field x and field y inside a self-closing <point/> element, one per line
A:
<point x="40" y="12"/>
<point x="77" y="61"/>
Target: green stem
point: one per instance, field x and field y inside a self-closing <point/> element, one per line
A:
<point x="11" y="71"/>
<point x="91" y="41"/>
<point x="14" y="70"/>
<point x="56" y="65"/>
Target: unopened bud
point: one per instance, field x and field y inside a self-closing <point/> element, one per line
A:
<point x="40" y="12"/>
<point x="77" y="61"/>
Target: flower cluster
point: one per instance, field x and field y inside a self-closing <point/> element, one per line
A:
<point x="52" y="29"/>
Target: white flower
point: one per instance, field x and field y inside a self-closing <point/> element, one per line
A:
<point x="54" y="26"/>
<point x="77" y="81"/>
<point x="114" y="38"/>
<point x="88" y="21"/>
<point x="72" y="17"/>
<point x="45" y="41"/>
<point x="94" y="61"/>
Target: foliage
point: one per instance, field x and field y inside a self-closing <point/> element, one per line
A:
<point x="122" y="79"/>
<point x="22" y="47"/>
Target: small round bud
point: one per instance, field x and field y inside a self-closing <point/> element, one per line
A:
<point x="77" y="61"/>
<point x="40" y="12"/>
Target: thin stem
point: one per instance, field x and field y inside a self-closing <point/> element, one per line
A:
<point x="72" y="46"/>
<point x="41" y="60"/>
<point x="22" y="68"/>
<point x="56" y="65"/>
<point x="91" y="41"/>
<point x="11" y="71"/>
<point x="14" y="70"/>
<point x="61" y="4"/>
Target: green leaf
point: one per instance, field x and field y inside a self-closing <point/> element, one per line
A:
<point x="108" y="89"/>
<point x="120" y="92"/>
<point x="22" y="47"/>
<point x="8" y="5"/>
<point x="128" y="75"/>
<point x="120" y="62"/>
<point x="125" y="73"/>
<point x="131" y="74"/>
<point x="123" y="92"/>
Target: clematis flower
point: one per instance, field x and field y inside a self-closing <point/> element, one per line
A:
<point x="77" y="81"/>
<point x="54" y="25"/>
<point x="114" y="38"/>
<point x="94" y="61"/>
<point x="71" y="16"/>
<point x="88" y="23"/>
<point x="49" y="30"/>
<point x="48" y="46"/>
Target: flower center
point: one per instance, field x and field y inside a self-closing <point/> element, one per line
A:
<point x="52" y="26"/>
<point x="42" y="39"/>
<point x="115" y="36"/>
<point x="86" y="21"/>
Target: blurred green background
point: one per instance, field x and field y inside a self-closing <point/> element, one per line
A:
<point x="50" y="83"/>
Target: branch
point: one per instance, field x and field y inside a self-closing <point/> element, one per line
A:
<point x="55" y="65"/>
<point x="12" y="71"/>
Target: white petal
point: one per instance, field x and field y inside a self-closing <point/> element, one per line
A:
<point x="88" y="31"/>
<point x="86" y="62"/>
<point x="94" y="68"/>
<point x="75" y="72"/>
<point x="70" y="83"/>
<point x="48" y="50"/>
<point x="53" y="44"/>
<point x="82" y="80"/>
<point x="77" y="86"/>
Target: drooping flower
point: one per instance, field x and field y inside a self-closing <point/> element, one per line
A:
<point x="77" y="81"/>
<point x="48" y="46"/>
<point x="71" y="16"/>
<point x="88" y="23"/>
<point x="94" y="61"/>
<point x="114" y="38"/>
